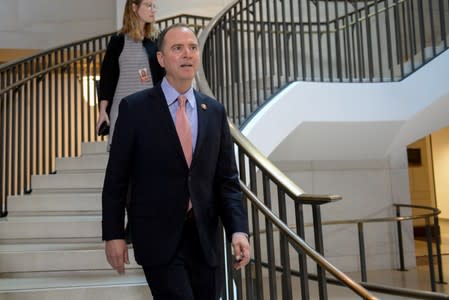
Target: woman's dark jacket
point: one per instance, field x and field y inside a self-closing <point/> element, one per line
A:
<point x="110" y="69"/>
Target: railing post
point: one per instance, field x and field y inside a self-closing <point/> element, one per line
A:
<point x="237" y="275"/>
<point x="319" y="245"/>
<point x="256" y="269"/>
<point x="3" y="195"/>
<point x="436" y="227"/>
<point x="400" y="242"/>
<point x="300" y="230"/>
<point x="284" y="248"/>
<point x="270" y="241"/>
<point x="362" y="252"/>
<point x="430" y="255"/>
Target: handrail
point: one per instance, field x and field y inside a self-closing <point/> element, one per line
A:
<point x="302" y="246"/>
<point x="361" y="19"/>
<point x="46" y="52"/>
<point x="398" y="219"/>
<point x="381" y="288"/>
<point x="417" y="294"/>
<point x="435" y="211"/>
<point x="292" y="189"/>
<point x="284" y="184"/>
<point x="48" y="107"/>
<point x="54" y="67"/>
<point x="106" y="35"/>
<point x="237" y="37"/>
<point x="255" y="160"/>
<point x="268" y="46"/>
<point x="48" y="116"/>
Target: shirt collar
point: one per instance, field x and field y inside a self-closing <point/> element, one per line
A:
<point x="171" y="95"/>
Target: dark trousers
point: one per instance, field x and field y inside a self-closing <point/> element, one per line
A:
<point x="187" y="276"/>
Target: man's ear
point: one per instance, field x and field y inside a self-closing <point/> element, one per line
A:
<point x="160" y="58"/>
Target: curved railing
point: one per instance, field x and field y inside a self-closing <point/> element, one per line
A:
<point x="340" y="278"/>
<point x="256" y="47"/>
<point x="253" y="48"/>
<point x="258" y="176"/>
<point x="48" y="107"/>
<point x="432" y="230"/>
<point x="289" y="238"/>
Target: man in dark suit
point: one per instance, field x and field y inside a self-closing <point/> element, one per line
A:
<point x="181" y="187"/>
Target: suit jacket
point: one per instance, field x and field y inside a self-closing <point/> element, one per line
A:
<point x="146" y="152"/>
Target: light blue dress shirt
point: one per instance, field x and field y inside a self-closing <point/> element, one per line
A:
<point x="171" y="95"/>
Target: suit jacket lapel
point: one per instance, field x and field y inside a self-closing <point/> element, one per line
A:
<point x="201" y="108"/>
<point x="168" y="123"/>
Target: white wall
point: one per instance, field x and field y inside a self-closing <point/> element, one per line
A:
<point x="208" y="8"/>
<point x="421" y="178"/>
<point x="351" y="139"/>
<point x="41" y="24"/>
<point x="404" y="111"/>
<point x="440" y="146"/>
<point x="196" y="7"/>
<point x="120" y="5"/>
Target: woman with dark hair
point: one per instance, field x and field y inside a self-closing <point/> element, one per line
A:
<point x="130" y="63"/>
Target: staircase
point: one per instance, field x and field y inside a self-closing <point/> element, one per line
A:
<point x="50" y="243"/>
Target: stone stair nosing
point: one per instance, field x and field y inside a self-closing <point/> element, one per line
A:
<point x="46" y="257"/>
<point x="71" y="182"/>
<point x="94" y="148"/>
<point x="90" y="163"/>
<point x="50" y="243"/>
<point x="36" y="204"/>
<point x="50" y="227"/>
<point x="75" y="285"/>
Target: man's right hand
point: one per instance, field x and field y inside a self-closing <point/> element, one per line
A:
<point x="117" y="254"/>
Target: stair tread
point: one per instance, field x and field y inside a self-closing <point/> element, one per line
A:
<point x="100" y="172"/>
<point x="69" y="279"/>
<point x="85" y="156"/>
<point x="57" y="218"/>
<point x="55" y="195"/>
<point x="50" y="247"/>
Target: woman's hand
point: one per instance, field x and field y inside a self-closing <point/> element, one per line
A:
<point x="103" y="115"/>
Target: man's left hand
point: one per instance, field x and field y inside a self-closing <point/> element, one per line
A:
<point x="242" y="250"/>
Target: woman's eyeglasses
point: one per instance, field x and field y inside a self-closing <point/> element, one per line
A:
<point x="151" y="6"/>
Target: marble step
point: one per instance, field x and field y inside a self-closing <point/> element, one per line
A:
<point x="94" y="148"/>
<point x="75" y="285"/>
<point x="68" y="183"/>
<point x="86" y="163"/>
<point x="46" y="257"/>
<point x="30" y="229"/>
<point x="55" y="204"/>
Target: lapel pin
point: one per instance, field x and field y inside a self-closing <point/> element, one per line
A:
<point x="203" y="106"/>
